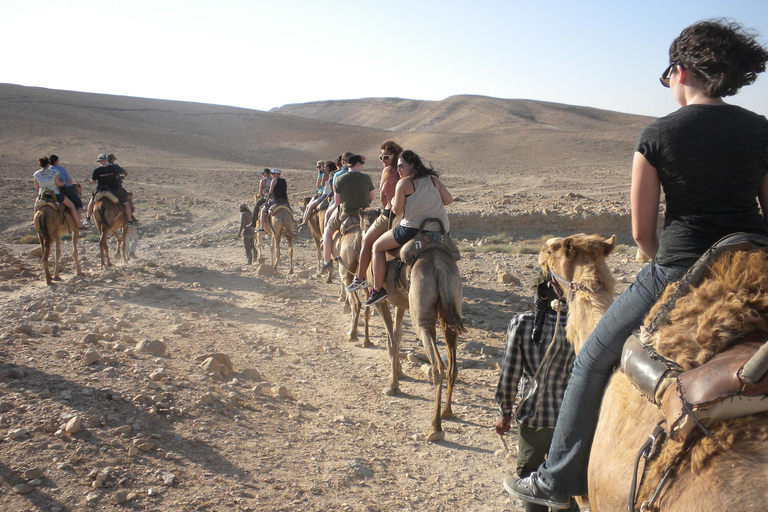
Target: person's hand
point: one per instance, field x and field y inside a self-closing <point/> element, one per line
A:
<point x="502" y="424"/>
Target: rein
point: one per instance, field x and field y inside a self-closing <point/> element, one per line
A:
<point x="570" y="285"/>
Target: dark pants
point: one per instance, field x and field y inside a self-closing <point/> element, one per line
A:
<point x="69" y="191"/>
<point x="257" y="209"/>
<point x="532" y="448"/>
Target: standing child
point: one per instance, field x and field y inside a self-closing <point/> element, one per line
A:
<point x="528" y="338"/>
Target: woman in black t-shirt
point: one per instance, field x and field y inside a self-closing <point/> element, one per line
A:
<point x="711" y="160"/>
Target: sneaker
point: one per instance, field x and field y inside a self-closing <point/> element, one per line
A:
<point x="376" y="296"/>
<point x="325" y="268"/>
<point x="529" y="489"/>
<point x="357" y="284"/>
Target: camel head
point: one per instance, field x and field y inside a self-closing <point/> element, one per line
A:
<point x="368" y="216"/>
<point x="304" y="202"/>
<point x="566" y="255"/>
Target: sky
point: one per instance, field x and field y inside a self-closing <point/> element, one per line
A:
<point x="261" y="54"/>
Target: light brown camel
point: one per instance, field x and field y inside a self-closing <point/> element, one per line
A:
<point x="315" y="222"/>
<point x="280" y="221"/>
<point x="109" y="217"/>
<point x="728" y="469"/>
<point x="434" y="293"/>
<point x="349" y="246"/>
<point x="50" y="224"/>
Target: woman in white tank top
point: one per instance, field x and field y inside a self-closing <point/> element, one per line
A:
<point x="418" y="198"/>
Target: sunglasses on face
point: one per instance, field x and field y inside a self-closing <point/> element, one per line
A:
<point x="385" y="158"/>
<point x="401" y="164"/>
<point x="665" y="76"/>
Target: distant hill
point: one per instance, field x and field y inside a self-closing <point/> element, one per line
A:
<point x="495" y="137"/>
<point x="459" y="114"/>
<point x="35" y="121"/>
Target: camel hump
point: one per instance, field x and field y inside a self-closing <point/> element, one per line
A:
<point x="429" y="240"/>
<point x="105" y="194"/>
<point x="277" y="207"/>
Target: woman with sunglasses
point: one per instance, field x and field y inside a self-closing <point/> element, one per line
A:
<point x="419" y="195"/>
<point x="324" y="189"/>
<point x="390" y="151"/>
<point x="711" y="161"/>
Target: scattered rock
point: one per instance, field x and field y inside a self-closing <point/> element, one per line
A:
<point x="90" y="357"/>
<point x="250" y="374"/>
<point x="22" y="489"/>
<point x="73" y="425"/>
<point x="151" y="347"/>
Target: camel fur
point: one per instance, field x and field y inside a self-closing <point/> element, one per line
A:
<point x="434" y="294"/>
<point x="109" y="217"/>
<point x="724" y="471"/>
<point x="280" y="221"/>
<point x="350" y="244"/>
<point x="50" y="224"/>
<point x="315" y="223"/>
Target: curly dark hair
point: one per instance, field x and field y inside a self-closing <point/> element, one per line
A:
<point x="330" y="166"/>
<point x="419" y="169"/>
<point x="722" y="55"/>
<point x="392" y="146"/>
<point x="43" y="161"/>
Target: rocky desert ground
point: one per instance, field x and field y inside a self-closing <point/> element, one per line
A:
<point x="186" y="379"/>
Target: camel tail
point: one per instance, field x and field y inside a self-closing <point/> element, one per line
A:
<point x="450" y="297"/>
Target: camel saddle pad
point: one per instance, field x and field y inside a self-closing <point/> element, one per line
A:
<point x="278" y="206"/>
<point x="349" y="221"/>
<point x="105" y="194"/>
<point x="47" y="199"/>
<point x="426" y="240"/>
<point x="715" y="391"/>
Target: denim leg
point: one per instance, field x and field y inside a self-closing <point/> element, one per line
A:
<point x="566" y="468"/>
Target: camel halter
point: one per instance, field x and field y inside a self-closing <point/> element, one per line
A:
<point x="570" y="285"/>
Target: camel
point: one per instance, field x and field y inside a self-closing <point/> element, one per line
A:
<point x="50" y="223"/>
<point x="109" y="217"/>
<point x="349" y="245"/>
<point x="315" y="224"/>
<point x="727" y="469"/>
<point x="280" y="221"/>
<point x="435" y="292"/>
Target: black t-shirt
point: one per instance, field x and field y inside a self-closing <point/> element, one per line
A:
<point x="107" y="177"/>
<point x="711" y="160"/>
<point x="281" y="189"/>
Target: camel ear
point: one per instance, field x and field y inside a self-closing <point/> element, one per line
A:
<point x="609" y="245"/>
<point x="568" y="246"/>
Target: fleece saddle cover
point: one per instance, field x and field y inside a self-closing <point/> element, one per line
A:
<point x="105" y="194"/>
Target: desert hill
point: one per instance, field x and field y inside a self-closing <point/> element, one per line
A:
<point x="502" y="157"/>
<point x="460" y="114"/>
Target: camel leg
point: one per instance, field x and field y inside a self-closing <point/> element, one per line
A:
<point x="103" y="248"/>
<point x="290" y="251"/>
<point x="57" y="259"/>
<point x="428" y="335"/>
<point x="399" y="314"/>
<point x="452" y="370"/>
<point x="276" y="237"/>
<point x="123" y="242"/>
<point x="75" y="254"/>
<point x="46" y="245"/>
<point x="355" y="305"/>
<point x="366" y="326"/>
<point x="393" y="349"/>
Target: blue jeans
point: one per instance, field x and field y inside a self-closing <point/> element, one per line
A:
<point x="566" y="468"/>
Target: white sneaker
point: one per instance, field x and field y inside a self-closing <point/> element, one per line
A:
<point x="357" y="285"/>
